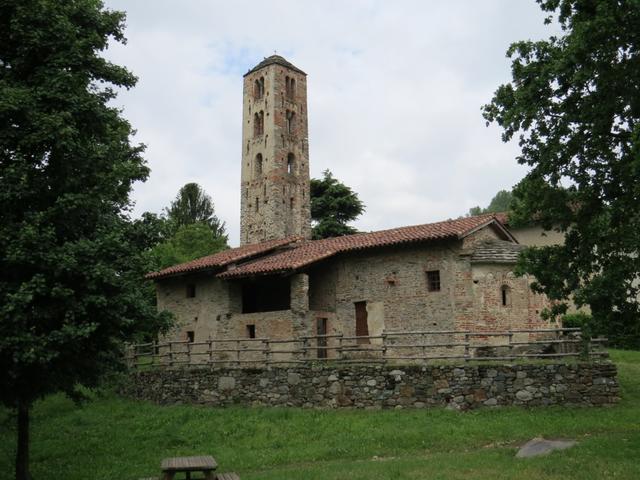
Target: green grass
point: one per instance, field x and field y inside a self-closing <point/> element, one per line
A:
<point x="115" y="439"/>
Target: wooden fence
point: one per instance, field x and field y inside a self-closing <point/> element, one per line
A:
<point x="401" y="347"/>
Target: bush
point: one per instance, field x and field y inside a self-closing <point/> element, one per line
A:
<point x="576" y="320"/>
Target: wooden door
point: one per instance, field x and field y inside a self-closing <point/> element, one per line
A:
<point x="362" y="326"/>
<point x="321" y="329"/>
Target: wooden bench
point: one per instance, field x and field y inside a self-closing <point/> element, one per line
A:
<point x="205" y="464"/>
<point x="227" y="476"/>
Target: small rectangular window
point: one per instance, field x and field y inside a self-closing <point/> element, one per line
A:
<point x="433" y="280"/>
<point x="191" y="336"/>
<point x="251" y="331"/>
<point x="191" y="290"/>
<point x="505" y="296"/>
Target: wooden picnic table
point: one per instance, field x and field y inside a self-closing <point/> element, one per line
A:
<point x="205" y="464"/>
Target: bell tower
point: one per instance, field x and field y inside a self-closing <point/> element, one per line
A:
<point x="275" y="153"/>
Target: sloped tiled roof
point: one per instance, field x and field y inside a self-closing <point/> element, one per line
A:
<point x="502" y="217"/>
<point x="310" y="252"/>
<point x="496" y="251"/>
<point x="221" y="259"/>
<point x="277" y="60"/>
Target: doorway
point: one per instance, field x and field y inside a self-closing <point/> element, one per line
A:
<point x="362" y="325"/>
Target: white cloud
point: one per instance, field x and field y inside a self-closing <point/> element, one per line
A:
<point x="395" y="90"/>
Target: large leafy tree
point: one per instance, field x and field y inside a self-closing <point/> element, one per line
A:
<point x="501" y="202"/>
<point x="574" y="104"/>
<point x="193" y="205"/>
<point x="68" y="252"/>
<point x="333" y="206"/>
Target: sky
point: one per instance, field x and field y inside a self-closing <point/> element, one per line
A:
<point x="395" y="91"/>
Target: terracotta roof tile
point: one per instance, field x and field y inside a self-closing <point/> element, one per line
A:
<point x="309" y="252"/>
<point x="502" y="217"/>
<point x="221" y="259"/>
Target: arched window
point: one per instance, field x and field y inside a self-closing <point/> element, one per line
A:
<point x="291" y="163"/>
<point x="258" y="123"/>
<point x="290" y="87"/>
<point x="258" y="164"/>
<point x="291" y="116"/>
<point x="258" y="88"/>
<point x="505" y="294"/>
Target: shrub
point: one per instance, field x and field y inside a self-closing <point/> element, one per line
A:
<point x="576" y="320"/>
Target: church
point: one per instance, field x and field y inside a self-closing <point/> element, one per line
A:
<point x="453" y="275"/>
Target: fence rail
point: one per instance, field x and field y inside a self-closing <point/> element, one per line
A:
<point x="389" y="347"/>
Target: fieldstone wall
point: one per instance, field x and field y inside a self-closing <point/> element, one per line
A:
<point x="457" y="387"/>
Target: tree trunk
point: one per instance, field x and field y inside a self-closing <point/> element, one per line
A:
<point x="22" y="456"/>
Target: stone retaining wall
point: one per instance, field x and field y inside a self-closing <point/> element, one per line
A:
<point x="458" y="387"/>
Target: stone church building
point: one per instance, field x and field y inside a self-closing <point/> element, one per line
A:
<point x="449" y="275"/>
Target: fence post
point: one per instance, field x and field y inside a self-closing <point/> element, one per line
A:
<point x="467" y="349"/>
<point x="384" y="347"/>
<point x="210" y="350"/>
<point x="170" y="353"/>
<point x="267" y="351"/>
<point x="238" y="352"/>
<point x="510" y="337"/>
<point x="189" y="345"/>
<point x="155" y="352"/>
<point x="304" y="348"/>
<point x="128" y="355"/>
<point x="340" y="353"/>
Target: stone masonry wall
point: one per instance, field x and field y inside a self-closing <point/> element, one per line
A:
<point x="358" y="386"/>
<point x="393" y="283"/>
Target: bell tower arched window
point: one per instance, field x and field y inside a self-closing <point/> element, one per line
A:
<point x="258" y="123"/>
<point x="258" y="165"/>
<point x="291" y="163"/>
<point x="290" y="87"/>
<point x="258" y="88"/>
<point x="291" y="118"/>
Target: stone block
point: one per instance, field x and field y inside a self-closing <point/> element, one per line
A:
<point x="226" y="383"/>
<point x="524" y="395"/>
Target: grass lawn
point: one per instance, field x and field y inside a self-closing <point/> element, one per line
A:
<point x="116" y="439"/>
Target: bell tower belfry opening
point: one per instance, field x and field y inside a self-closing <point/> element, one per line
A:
<point x="275" y="153"/>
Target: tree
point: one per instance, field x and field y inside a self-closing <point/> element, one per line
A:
<point x="501" y="202"/>
<point x="189" y="242"/>
<point x="189" y="231"/>
<point x="68" y="288"/>
<point x="193" y="205"/>
<point x="574" y="105"/>
<point x="333" y="205"/>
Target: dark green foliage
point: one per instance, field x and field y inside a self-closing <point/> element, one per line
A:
<point x="69" y="255"/>
<point x="333" y="206"/>
<point x="193" y="205"/>
<point x="574" y="104"/>
<point x="501" y="202"/>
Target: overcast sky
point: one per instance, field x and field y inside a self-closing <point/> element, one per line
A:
<point x="394" y="93"/>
